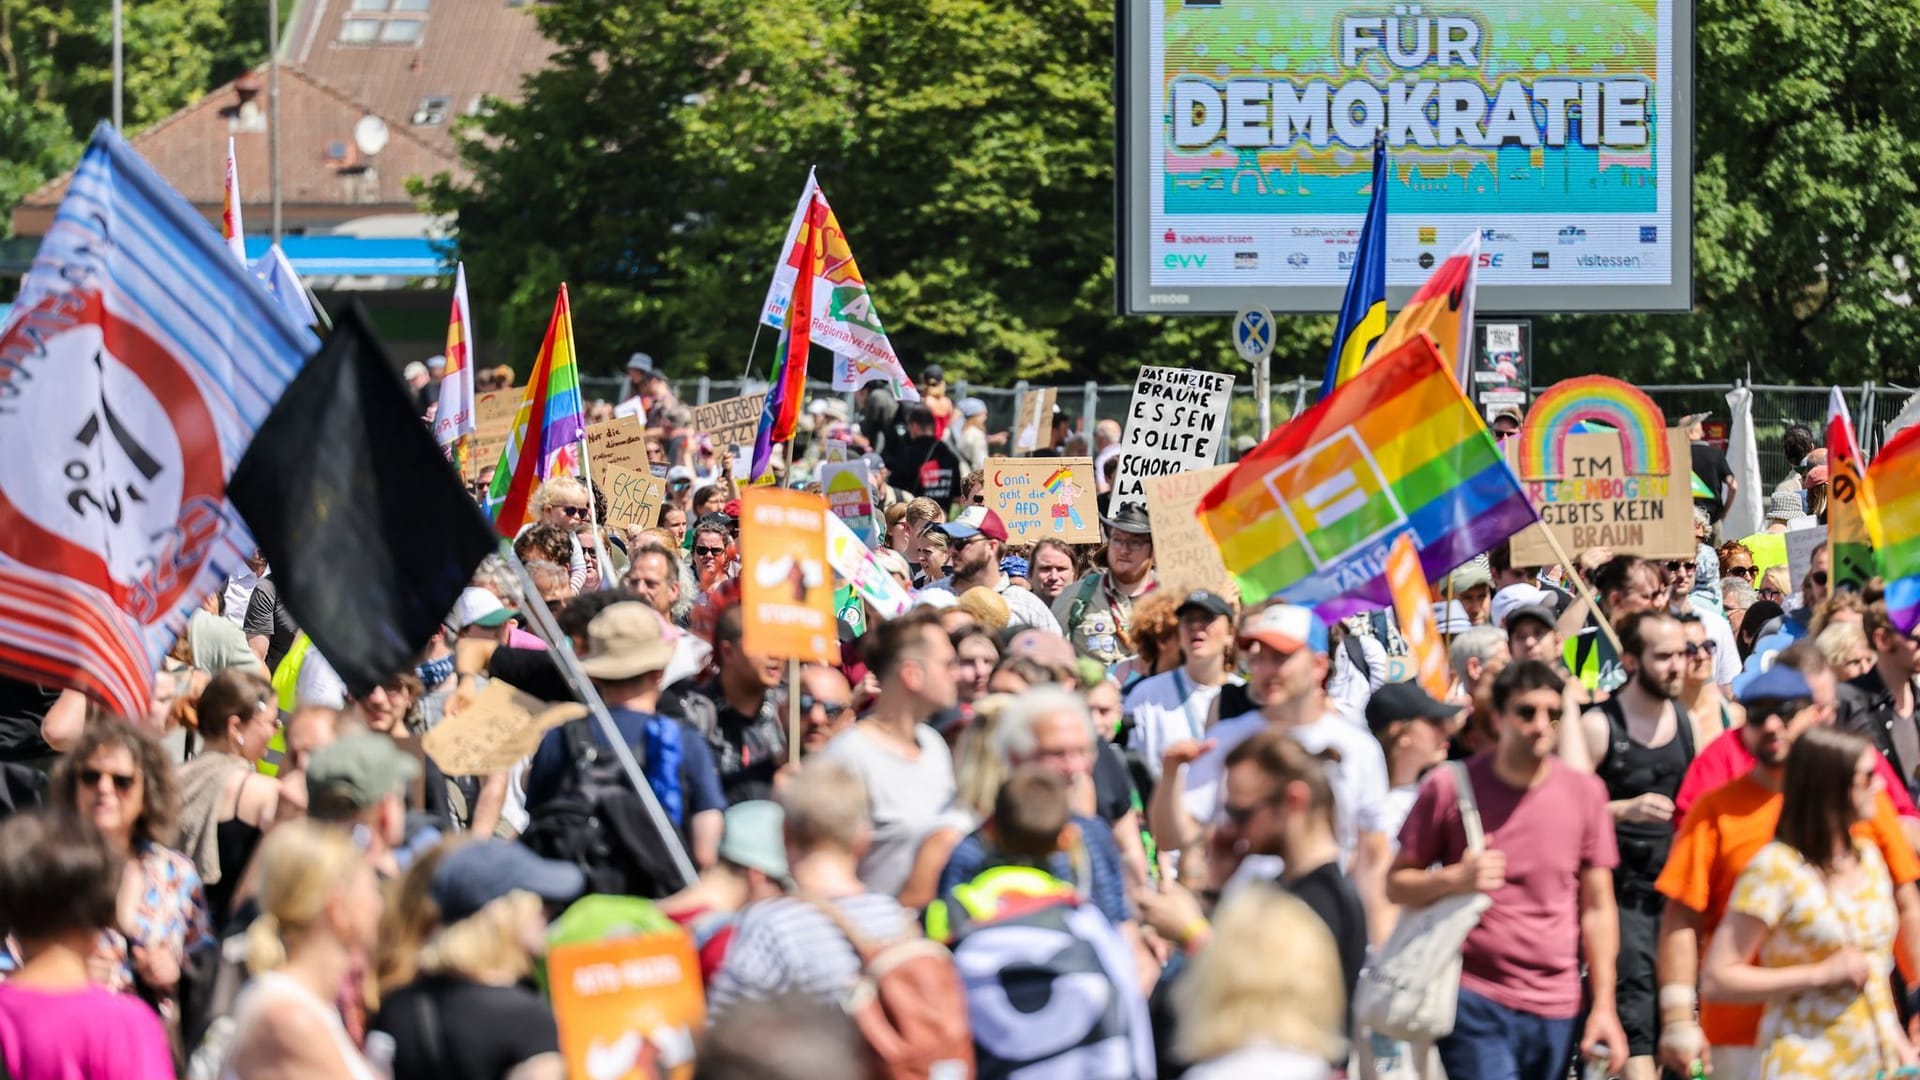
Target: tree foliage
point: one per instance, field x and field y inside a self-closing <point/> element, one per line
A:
<point x="56" y="72"/>
<point x="967" y="146"/>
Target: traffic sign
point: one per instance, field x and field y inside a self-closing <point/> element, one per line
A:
<point x="1253" y="332"/>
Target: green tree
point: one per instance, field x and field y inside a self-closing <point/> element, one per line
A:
<point x="966" y="146"/>
<point x="56" y="72"/>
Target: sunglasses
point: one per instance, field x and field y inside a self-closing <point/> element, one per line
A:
<point x="1819" y="577"/>
<point x="709" y="552"/>
<point x="1238" y="816"/>
<point x="573" y="511"/>
<point x="834" y="708"/>
<point x="1772" y="594"/>
<point x="1740" y="571"/>
<point x="1695" y="648"/>
<point x="122" y="782"/>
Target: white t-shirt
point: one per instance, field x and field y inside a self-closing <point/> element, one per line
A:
<point x="1166" y="709"/>
<point x="906" y="798"/>
<point x="1358" y="779"/>
<point x="1349" y="688"/>
<point x="1023" y="608"/>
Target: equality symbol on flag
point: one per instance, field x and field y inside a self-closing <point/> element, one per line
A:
<point x="1253" y="333"/>
<point x="1335" y="498"/>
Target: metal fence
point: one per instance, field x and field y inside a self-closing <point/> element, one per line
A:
<point x="1774" y="407"/>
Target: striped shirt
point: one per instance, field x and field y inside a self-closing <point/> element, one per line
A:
<point x="787" y="946"/>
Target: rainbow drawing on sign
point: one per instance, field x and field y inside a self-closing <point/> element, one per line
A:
<point x="1064" y="491"/>
<point x="1603" y="400"/>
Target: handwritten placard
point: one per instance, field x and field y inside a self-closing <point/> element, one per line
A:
<point x="1033" y="420"/>
<point x="621" y="443"/>
<point x="731" y="422"/>
<point x="633" y="498"/>
<point x="493" y="414"/>
<point x="493" y="731"/>
<point x="1595" y="502"/>
<point x="1184" y="556"/>
<point x="1176" y="422"/>
<point x="1038" y="498"/>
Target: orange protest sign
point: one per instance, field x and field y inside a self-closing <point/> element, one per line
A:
<point x="1413" y="607"/>
<point x="628" y="1008"/>
<point x="786" y="588"/>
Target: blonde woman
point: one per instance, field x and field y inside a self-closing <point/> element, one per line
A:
<point x="563" y="503"/>
<point x="1262" y="999"/>
<point x="467" y="1014"/>
<point x="320" y="906"/>
<point x="1846" y="648"/>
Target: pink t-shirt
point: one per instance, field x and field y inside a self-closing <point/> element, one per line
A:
<point x="1525" y="954"/>
<point x="1727" y="758"/>
<point x="90" y="1034"/>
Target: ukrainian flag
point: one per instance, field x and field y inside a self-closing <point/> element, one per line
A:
<point x="1363" y="314"/>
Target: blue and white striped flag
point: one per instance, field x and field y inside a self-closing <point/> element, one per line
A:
<point x="134" y="368"/>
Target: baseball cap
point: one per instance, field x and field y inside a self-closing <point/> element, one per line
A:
<point x="754" y="836"/>
<point x="972" y="406"/>
<point x="969" y="525"/>
<point x="474" y="875"/>
<point x="1398" y="701"/>
<point x="1815" y="477"/>
<point x="359" y="769"/>
<point x="1693" y="418"/>
<point x="1514" y="598"/>
<point x="1471" y="574"/>
<point x="640" y="362"/>
<point x="478" y="607"/>
<point x="1286" y="627"/>
<point x="1207" y="600"/>
<point x="1781" y="682"/>
<point x="436" y="362"/>
<point x="679" y="473"/>
<point x="934" y="374"/>
<point x="625" y="642"/>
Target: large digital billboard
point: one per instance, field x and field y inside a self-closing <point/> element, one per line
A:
<point x="1560" y="132"/>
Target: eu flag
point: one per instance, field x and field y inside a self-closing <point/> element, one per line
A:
<point x="1363" y="314"/>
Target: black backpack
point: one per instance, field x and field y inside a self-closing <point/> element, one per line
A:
<point x="600" y="824"/>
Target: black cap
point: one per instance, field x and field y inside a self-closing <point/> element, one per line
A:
<point x="1207" y="600"/>
<point x="1532" y="611"/>
<point x="1398" y="701"/>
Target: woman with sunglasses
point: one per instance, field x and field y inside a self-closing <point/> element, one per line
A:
<point x="119" y="779"/>
<point x="1700" y="690"/>
<point x="562" y="503"/>
<point x="1736" y="561"/>
<point x="1809" y="929"/>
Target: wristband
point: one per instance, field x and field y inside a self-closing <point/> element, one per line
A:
<point x="1192" y="930"/>
<point x="1678" y="996"/>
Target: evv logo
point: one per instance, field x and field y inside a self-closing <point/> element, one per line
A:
<point x="1176" y="261"/>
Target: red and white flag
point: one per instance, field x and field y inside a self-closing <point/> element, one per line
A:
<point x="231" y="227"/>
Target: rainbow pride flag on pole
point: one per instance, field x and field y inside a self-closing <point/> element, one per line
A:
<point x="547" y="422"/>
<point x="780" y="416"/>
<point x="1893" y="522"/>
<point x="1849" y="549"/>
<point x="1310" y="515"/>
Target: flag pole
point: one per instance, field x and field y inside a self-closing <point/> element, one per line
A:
<point x="793" y="710"/>
<point x="562" y="652"/>
<point x="1585" y="590"/>
<point x="593" y="513"/>
<point x="751" y="348"/>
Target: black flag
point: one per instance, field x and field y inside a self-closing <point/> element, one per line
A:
<point x="369" y="532"/>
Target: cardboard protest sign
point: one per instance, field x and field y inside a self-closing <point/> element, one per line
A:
<point x="731" y="422"/>
<point x="1413" y="608"/>
<point x="1177" y="421"/>
<point x="494" y="731"/>
<point x="1041" y="497"/>
<point x="633" y="498"/>
<point x="628" y="1008"/>
<point x="849" y="489"/>
<point x="619" y="443"/>
<point x="869" y="580"/>
<point x="1623" y="485"/>
<point x="1033" y="420"/>
<point x="786" y="589"/>
<point x="1184" y="556"/>
<point x="493" y="415"/>
<point x="1801" y="544"/>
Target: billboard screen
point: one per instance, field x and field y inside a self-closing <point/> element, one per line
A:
<point x="1560" y="132"/>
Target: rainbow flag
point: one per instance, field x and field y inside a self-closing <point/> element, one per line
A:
<point x="1443" y="307"/>
<point x="547" y="422"/>
<point x="453" y="418"/>
<point x="1310" y="515"/>
<point x="231" y="229"/>
<point x="1849" y="550"/>
<point x="780" y="415"/>
<point x="1893" y="522"/>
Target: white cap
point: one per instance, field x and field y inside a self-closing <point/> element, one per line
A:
<point x="1513" y="597"/>
<point x="414" y="369"/>
<point x="477" y="605"/>
<point x="436" y="362"/>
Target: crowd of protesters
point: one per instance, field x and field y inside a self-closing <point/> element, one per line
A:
<point x="1158" y="833"/>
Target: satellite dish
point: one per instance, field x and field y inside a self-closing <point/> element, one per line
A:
<point x="370" y="135"/>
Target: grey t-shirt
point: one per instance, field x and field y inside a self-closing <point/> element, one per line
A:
<point x="906" y="798"/>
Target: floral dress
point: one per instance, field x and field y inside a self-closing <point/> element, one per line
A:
<point x="1823" y="1034"/>
<point x="171" y="910"/>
